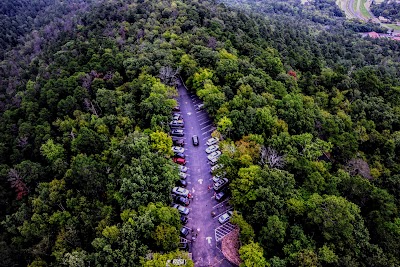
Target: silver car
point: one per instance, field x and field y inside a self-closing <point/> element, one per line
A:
<point x="182" y="210"/>
<point x="212" y="148"/>
<point x="225" y="217"/>
<point x="214" y="155"/>
<point x="180" y="191"/>
<point x="178" y="149"/>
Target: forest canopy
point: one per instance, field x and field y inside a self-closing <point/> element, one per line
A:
<point x="308" y="116"/>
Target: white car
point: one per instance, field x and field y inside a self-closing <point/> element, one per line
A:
<point x="214" y="155"/>
<point x="216" y="167"/>
<point x="212" y="141"/>
<point x="225" y="217"/>
<point x="183" y="168"/>
<point x="212" y="148"/>
<point x="178" y="149"/>
<point x="183" y="175"/>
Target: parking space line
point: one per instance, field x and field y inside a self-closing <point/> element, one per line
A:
<point x="208" y="131"/>
<point x="220" y="203"/>
<point x="206" y="126"/>
<point x="204" y="123"/>
<point x="204" y="120"/>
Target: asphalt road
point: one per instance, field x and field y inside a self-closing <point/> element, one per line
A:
<point x="204" y="249"/>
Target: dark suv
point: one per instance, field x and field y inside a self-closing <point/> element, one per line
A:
<point x="195" y="140"/>
<point x="222" y="195"/>
<point x="181" y="200"/>
<point x="178" y="142"/>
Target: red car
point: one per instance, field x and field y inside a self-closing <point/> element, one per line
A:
<point x="180" y="161"/>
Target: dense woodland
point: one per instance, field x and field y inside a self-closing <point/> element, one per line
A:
<point x="387" y="9"/>
<point x="309" y="117"/>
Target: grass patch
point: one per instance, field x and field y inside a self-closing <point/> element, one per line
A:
<point x="393" y="26"/>
<point x="363" y="10"/>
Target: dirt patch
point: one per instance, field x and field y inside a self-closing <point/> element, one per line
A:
<point x="230" y="247"/>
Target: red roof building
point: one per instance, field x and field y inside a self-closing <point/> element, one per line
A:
<point x="373" y="35"/>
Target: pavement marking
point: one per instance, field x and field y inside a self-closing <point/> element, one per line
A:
<point x="223" y="230"/>
<point x="193" y="190"/>
<point x="189" y="113"/>
<point x="200" y="181"/>
<point x="204" y="123"/>
<point x="206" y="126"/>
<point x="209" y="239"/>
<point x="198" y="229"/>
<point x="199" y="117"/>
<point x="208" y="131"/>
<point x="226" y="200"/>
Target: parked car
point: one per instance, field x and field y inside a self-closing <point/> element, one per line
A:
<point x="214" y="155"/>
<point x="183" y="175"/>
<point x="184" y="232"/>
<point x="183" y="168"/>
<point x="179" y="155"/>
<point x="178" y="142"/>
<point x="216" y="167"/>
<point x="181" y="183"/>
<point x="184" y="219"/>
<point x="222" y="195"/>
<point x="195" y="140"/>
<point x="220" y="184"/>
<point x="176" y="108"/>
<point x="182" y="210"/>
<point x="213" y="161"/>
<point x="225" y="217"/>
<point x="212" y="148"/>
<point x="180" y="161"/>
<point x="176" y="116"/>
<point x="199" y="106"/>
<point x="177" y="132"/>
<point x="180" y="191"/>
<point x="212" y="141"/>
<point x="181" y="200"/>
<point x="217" y="177"/>
<point x="176" y="123"/>
<point x="178" y="149"/>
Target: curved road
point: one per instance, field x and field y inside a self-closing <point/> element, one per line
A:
<point x="204" y="249"/>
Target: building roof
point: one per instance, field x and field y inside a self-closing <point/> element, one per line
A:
<point x="373" y="35"/>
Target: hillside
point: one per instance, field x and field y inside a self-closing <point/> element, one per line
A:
<point x="307" y="113"/>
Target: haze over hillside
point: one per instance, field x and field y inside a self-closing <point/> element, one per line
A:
<point x="304" y="111"/>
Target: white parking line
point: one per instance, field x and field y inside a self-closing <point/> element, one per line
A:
<point x="205" y="138"/>
<point x="204" y="123"/>
<point x="206" y="127"/>
<point x="221" y="203"/>
<point x="208" y="131"/>
<point x="204" y="120"/>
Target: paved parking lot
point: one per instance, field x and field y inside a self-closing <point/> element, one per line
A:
<point x="204" y="225"/>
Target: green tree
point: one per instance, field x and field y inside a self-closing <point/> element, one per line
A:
<point x="161" y="142"/>
<point x="252" y="256"/>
